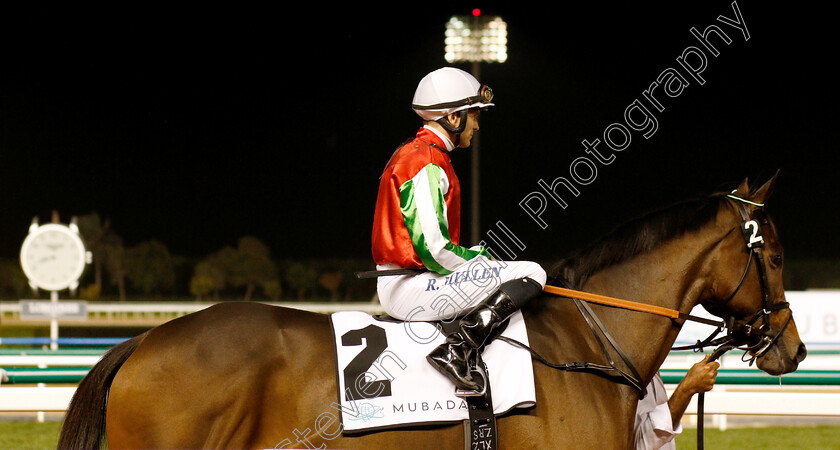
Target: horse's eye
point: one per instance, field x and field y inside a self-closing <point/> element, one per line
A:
<point x="776" y="260"/>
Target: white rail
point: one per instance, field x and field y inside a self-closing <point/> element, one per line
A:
<point x="35" y="399"/>
<point x="166" y="310"/>
<point x="49" y="360"/>
<point x="769" y="403"/>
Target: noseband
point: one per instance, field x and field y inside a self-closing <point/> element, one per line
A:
<point x="752" y="334"/>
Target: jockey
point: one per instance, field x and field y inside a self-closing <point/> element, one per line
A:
<point x="417" y="226"/>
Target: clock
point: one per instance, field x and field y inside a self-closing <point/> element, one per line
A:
<point x="53" y="256"/>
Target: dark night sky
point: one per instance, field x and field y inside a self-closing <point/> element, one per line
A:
<point x="196" y="129"/>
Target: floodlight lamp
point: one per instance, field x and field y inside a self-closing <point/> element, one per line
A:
<point x="475" y="39"/>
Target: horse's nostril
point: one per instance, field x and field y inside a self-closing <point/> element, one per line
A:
<point x="801" y="353"/>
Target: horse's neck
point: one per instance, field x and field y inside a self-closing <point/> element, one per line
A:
<point x="675" y="275"/>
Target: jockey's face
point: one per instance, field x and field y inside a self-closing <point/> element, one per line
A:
<point x="470" y="128"/>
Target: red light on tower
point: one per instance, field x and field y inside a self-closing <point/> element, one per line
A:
<point x="476" y="12"/>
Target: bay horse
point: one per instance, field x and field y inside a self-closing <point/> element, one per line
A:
<point x="250" y="375"/>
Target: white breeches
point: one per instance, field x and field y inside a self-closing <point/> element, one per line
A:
<point x="430" y="296"/>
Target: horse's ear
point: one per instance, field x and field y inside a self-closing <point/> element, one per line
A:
<point x="763" y="193"/>
<point x="743" y="188"/>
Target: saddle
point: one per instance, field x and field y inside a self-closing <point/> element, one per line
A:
<point x="385" y="381"/>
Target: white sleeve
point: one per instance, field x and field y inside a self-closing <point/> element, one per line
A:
<point x="653" y="428"/>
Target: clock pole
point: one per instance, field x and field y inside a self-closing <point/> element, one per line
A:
<point x="54" y="303"/>
<point x="54" y="321"/>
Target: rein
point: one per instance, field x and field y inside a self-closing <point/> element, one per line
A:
<point x="581" y="298"/>
<point x="626" y="304"/>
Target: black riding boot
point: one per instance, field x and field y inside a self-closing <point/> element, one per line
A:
<point x="452" y="358"/>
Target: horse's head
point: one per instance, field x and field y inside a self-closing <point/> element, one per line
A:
<point x="747" y="289"/>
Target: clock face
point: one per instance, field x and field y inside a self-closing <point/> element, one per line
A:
<point x="53" y="257"/>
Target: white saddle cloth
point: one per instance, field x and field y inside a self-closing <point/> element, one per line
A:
<point x="396" y="386"/>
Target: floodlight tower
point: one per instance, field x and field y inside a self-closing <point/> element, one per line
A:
<point x="475" y="39"/>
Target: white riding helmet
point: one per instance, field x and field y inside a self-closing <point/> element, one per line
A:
<point x="448" y="90"/>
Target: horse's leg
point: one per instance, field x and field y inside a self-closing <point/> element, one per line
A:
<point x="208" y="379"/>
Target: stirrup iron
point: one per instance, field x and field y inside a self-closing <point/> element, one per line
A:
<point x="480" y="371"/>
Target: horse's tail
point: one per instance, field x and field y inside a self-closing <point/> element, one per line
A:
<point x="84" y="421"/>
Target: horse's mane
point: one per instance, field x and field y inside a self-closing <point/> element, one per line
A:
<point x="633" y="238"/>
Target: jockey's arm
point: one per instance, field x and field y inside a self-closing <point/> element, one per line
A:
<point x="423" y="204"/>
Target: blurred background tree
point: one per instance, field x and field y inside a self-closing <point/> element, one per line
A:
<point x="150" y="268"/>
<point x="251" y="265"/>
<point x="302" y="277"/>
<point x="13" y="282"/>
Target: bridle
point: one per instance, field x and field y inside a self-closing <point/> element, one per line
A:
<point x="754" y="333"/>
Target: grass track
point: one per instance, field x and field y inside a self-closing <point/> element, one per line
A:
<point x="28" y="435"/>
<point x="770" y="438"/>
